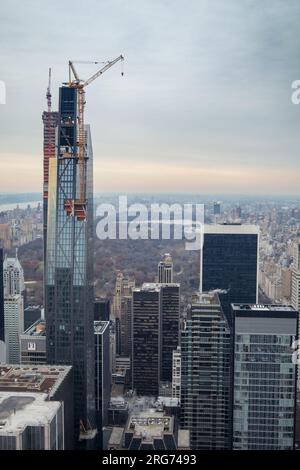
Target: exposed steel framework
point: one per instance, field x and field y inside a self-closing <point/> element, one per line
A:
<point x="77" y="207"/>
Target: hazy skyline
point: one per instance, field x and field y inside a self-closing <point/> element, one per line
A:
<point x="204" y="105"/>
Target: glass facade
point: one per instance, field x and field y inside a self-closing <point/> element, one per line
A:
<point x="206" y="375"/>
<point x="229" y="262"/>
<point x="69" y="264"/>
<point x="264" y="379"/>
<point x="146" y="341"/>
<point x="102" y="376"/>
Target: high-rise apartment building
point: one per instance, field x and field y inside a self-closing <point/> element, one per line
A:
<point x="69" y="297"/>
<point x="264" y="377"/>
<point x="229" y="262"/>
<point x="102" y="376"/>
<point x="2" y="330"/>
<point x="14" y="326"/>
<point x="165" y="269"/>
<point x="13" y="276"/>
<point x="205" y="374"/>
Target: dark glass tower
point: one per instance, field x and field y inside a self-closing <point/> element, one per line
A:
<point x="206" y="375"/>
<point x="146" y="342"/>
<point x="170" y="312"/>
<point x="69" y="299"/>
<point x="102" y="377"/>
<point x="229" y="261"/>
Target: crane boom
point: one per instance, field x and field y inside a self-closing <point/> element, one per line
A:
<point x="77" y="207"/>
<point x="101" y="71"/>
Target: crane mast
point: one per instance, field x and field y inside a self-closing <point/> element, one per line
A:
<point x="78" y="207"/>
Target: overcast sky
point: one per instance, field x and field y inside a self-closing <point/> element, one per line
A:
<point x="204" y="104"/>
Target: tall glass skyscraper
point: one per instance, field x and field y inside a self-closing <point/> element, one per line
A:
<point x="264" y="377"/>
<point x="69" y="262"/>
<point x="206" y="374"/>
<point x="229" y="261"/>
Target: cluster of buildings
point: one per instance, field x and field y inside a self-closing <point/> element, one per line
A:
<point x="147" y="371"/>
<point x="20" y="226"/>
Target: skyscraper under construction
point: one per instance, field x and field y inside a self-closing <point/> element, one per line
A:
<point x="69" y="263"/>
<point x="69" y="295"/>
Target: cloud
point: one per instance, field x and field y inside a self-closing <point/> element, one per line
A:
<point x="205" y="81"/>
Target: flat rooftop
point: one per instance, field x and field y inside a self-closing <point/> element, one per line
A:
<point x="38" y="378"/>
<point x="156" y="286"/>
<point x="236" y="229"/>
<point x="19" y="410"/>
<point x="206" y="298"/>
<point x="151" y="423"/>
<point x="262" y="308"/>
<point x="100" y="326"/>
<point x="116" y="436"/>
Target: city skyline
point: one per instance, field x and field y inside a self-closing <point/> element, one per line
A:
<point x="205" y="100"/>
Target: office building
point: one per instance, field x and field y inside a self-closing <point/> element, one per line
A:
<point x="2" y="328"/>
<point x="69" y="296"/>
<point x="170" y="313"/>
<point x="33" y="344"/>
<point x="205" y="374"/>
<point x="229" y="262"/>
<point x="13" y="276"/>
<point x="14" y="326"/>
<point x="264" y="377"/>
<point x="146" y="339"/>
<point x="102" y="376"/>
<point x="36" y="408"/>
<point x="165" y="269"/>
<point x="155" y="327"/>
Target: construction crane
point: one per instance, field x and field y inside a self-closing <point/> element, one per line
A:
<point x="48" y="94"/>
<point x="78" y="207"/>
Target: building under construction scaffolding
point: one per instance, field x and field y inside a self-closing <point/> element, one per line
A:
<point x="69" y="264"/>
<point x="69" y="295"/>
